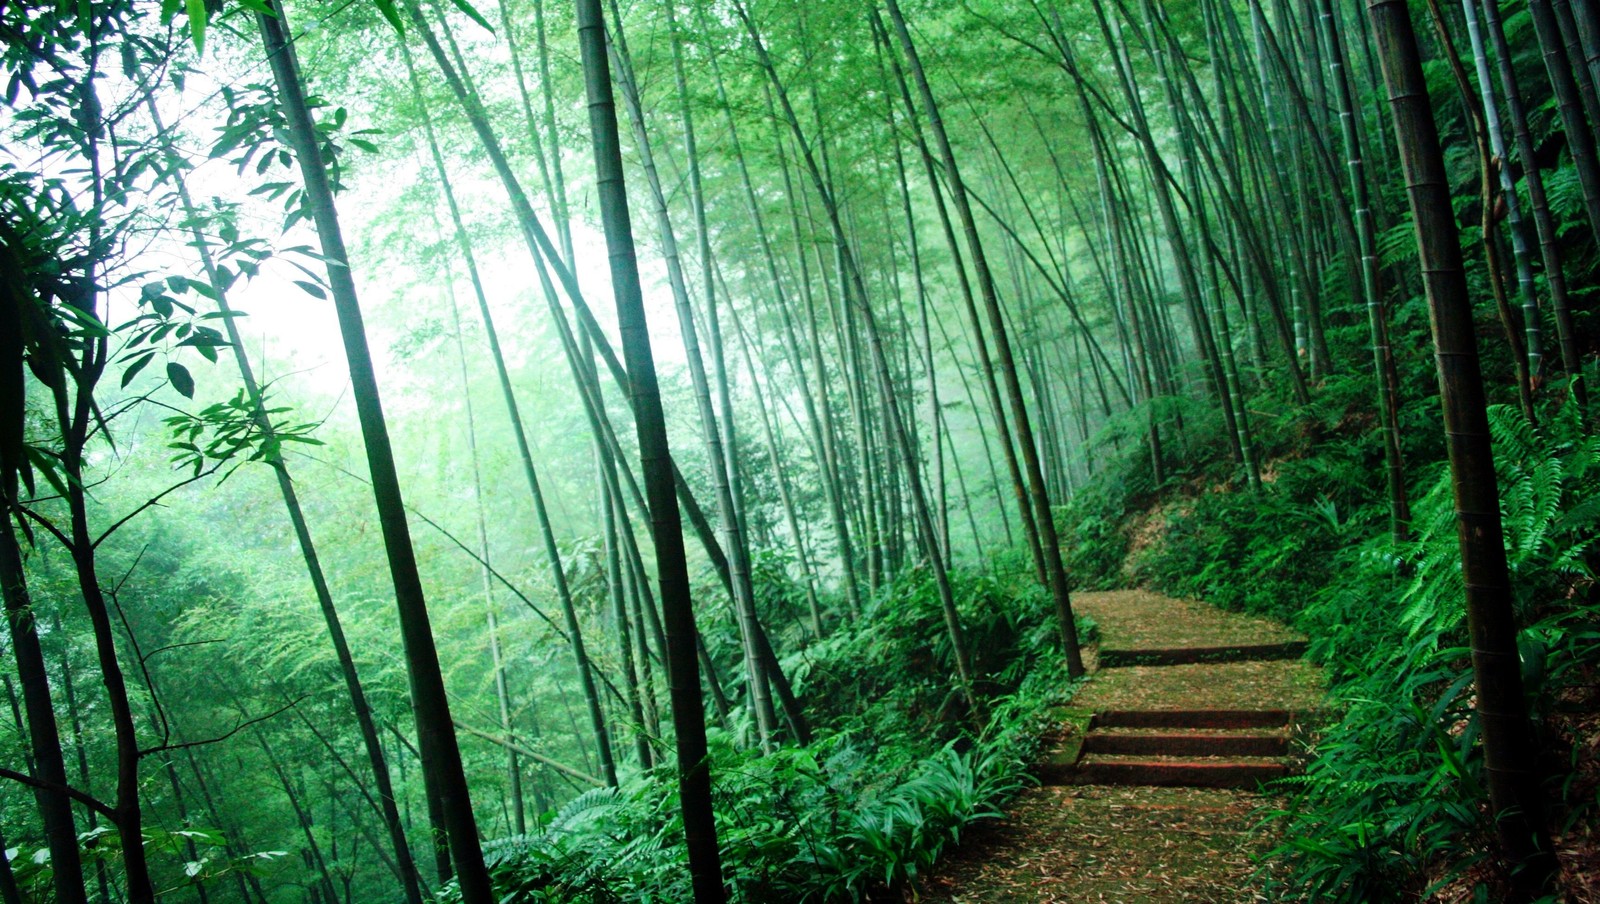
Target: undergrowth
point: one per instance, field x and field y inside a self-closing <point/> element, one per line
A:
<point x="1392" y="805"/>
<point x="898" y="773"/>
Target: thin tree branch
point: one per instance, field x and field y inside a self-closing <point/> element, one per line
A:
<point x="43" y="522"/>
<point x="178" y="646"/>
<point x="81" y="797"/>
<point x="504" y="581"/>
<point x="154" y="501"/>
<point x="509" y="744"/>
<point x="228" y="734"/>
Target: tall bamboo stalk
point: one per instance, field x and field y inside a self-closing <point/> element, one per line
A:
<point x="1027" y="516"/>
<point x="1543" y="221"/>
<point x="404" y="861"/>
<point x="1371" y="291"/>
<point x="1521" y="255"/>
<point x="728" y="516"/>
<point x="907" y="455"/>
<point x="435" y="729"/>
<point x="1510" y="757"/>
<point x="502" y="694"/>
<point x="1570" y="103"/>
<point x="48" y="763"/>
<point x="694" y="772"/>
<point x="1049" y="542"/>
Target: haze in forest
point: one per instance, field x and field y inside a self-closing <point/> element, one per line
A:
<point x="519" y="451"/>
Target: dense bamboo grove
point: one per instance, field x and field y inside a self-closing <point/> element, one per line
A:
<point x="427" y="424"/>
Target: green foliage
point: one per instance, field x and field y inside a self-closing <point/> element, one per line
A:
<point x="893" y="674"/>
<point x="1392" y="788"/>
<point x="893" y="781"/>
<point x="1212" y="549"/>
<point x="100" y="847"/>
<point x="255" y="138"/>
<point x="231" y="431"/>
<point x="1394" y="793"/>
<point x="1098" y="546"/>
<point x="826" y="822"/>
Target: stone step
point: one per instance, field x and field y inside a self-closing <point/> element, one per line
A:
<point x="1219" y="772"/>
<point x="1186" y="743"/>
<point x="1259" y="652"/>
<point x="1192" y="718"/>
<point x="1058" y="767"/>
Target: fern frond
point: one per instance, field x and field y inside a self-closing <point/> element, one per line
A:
<point x="1547" y="483"/>
<point x="1514" y="436"/>
<point x="582" y="808"/>
<point x="1432" y="600"/>
<point x="1564" y="192"/>
<point x="1584" y="457"/>
<point x="1398" y="244"/>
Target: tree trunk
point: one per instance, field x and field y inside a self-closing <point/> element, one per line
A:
<point x="792" y="345"/>
<point x="1026" y="510"/>
<point x="9" y="892"/>
<point x="1371" y="291"/>
<point x="436" y="734"/>
<point x="1580" y="138"/>
<point x="1510" y="758"/>
<point x="694" y="771"/>
<point x="44" y="736"/>
<point x="1488" y="193"/>
<point x="1516" y="225"/>
<point x="1043" y="515"/>
<point x="1543" y="221"/>
<point x="857" y="285"/>
<point x="581" y="663"/>
<point x="308" y="550"/>
<point x="502" y="695"/>
<point x="302" y="818"/>
<point x="711" y="433"/>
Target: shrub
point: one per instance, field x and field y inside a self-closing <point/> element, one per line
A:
<point x="896" y="777"/>
<point x="1394" y="796"/>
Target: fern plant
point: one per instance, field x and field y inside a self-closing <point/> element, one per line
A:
<point x="1550" y="503"/>
<point x="892" y="781"/>
<point x="1393" y="793"/>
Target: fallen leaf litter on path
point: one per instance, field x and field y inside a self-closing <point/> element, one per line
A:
<point x="1120" y="845"/>
<point x="1139" y="845"/>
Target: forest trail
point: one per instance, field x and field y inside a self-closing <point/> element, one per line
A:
<point x="1149" y="793"/>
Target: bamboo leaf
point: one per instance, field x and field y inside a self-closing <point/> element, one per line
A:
<point x="466" y="7"/>
<point x="197" y="24"/>
<point x="135" y="367"/>
<point x="179" y="377"/>
<point x="391" y="15"/>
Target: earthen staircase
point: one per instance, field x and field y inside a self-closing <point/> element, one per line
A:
<point x="1167" y="744"/>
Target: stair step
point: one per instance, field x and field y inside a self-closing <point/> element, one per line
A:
<point x="1260" y="652"/>
<point x="1175" y="772"/>
<point x="1192" y="718"/>
<point x="1058" y="767"/>
<point x="1186" y="743"/>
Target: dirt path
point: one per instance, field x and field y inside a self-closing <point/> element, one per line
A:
<point x="1121" y="815"/>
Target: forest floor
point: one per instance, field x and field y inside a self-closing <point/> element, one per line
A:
<point x="1129" y="843"/>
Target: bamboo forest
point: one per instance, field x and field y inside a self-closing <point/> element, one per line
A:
<point x="952" y="451"/>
